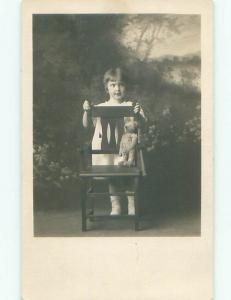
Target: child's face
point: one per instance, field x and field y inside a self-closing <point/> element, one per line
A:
<point x="116" y="89"/>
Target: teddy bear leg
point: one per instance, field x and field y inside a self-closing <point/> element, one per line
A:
<point x="124" y="160"/>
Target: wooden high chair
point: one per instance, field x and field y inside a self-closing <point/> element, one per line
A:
<point x="112" y="116"/>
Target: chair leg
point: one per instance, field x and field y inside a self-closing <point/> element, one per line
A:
<point x="137" y="213"/>
<point x="92" y="208"/>
<point x="83" y="205"/>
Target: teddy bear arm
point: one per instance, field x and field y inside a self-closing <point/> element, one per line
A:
<point x="122" y="144"/>
<point x="131" y="157"/>
<point x="125" y="144"/>
<point x="132" y="143"/>
<point x="134" y="140"/>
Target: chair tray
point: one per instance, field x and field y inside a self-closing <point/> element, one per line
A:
<point x="109" y="171"/>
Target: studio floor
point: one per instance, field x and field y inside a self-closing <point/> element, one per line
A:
<point x="67" y="223"/>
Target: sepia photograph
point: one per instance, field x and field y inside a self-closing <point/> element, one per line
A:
<point x="117" y="125"/>
<point x="117" y="150"/>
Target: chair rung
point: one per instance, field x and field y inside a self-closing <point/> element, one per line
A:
<point x="109" y="217"/>
<point x="92" y="194"/>
<point x="109" y="151"/>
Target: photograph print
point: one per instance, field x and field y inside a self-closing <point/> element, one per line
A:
<point x="117" y="125"/>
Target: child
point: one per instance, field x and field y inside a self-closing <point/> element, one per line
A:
<point x="115" y="86"/>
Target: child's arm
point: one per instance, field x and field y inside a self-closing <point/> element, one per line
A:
<point x="86" y="114"/>
<point x="140" y="113"/>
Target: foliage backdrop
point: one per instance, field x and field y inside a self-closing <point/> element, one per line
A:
<point x="162" y="56"/>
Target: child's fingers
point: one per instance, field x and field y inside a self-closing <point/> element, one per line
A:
<point x="86" y="105"/>
<point x="136" y="108"/>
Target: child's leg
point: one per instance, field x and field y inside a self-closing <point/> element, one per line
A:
<point x="131" y="198"/>
<point x="131" y="205"/>
<point x="115" y="200"/>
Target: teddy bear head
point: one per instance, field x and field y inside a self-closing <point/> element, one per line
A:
<point x="131" y="127"/>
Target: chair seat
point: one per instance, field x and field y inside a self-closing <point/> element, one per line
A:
<point x="110" y="171"/>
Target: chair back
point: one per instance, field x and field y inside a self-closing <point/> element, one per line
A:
<point x="112" y="121"/>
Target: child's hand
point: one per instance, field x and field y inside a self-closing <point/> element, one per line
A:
<point x="137" y="108"/>
<point x="86" y="106"/>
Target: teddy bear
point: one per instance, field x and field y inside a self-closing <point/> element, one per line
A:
<point x="128" y="144"/>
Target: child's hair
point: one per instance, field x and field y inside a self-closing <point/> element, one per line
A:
<point x="114" y="74"/>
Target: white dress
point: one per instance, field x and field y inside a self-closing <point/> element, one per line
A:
<point x="105" y="159"/>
